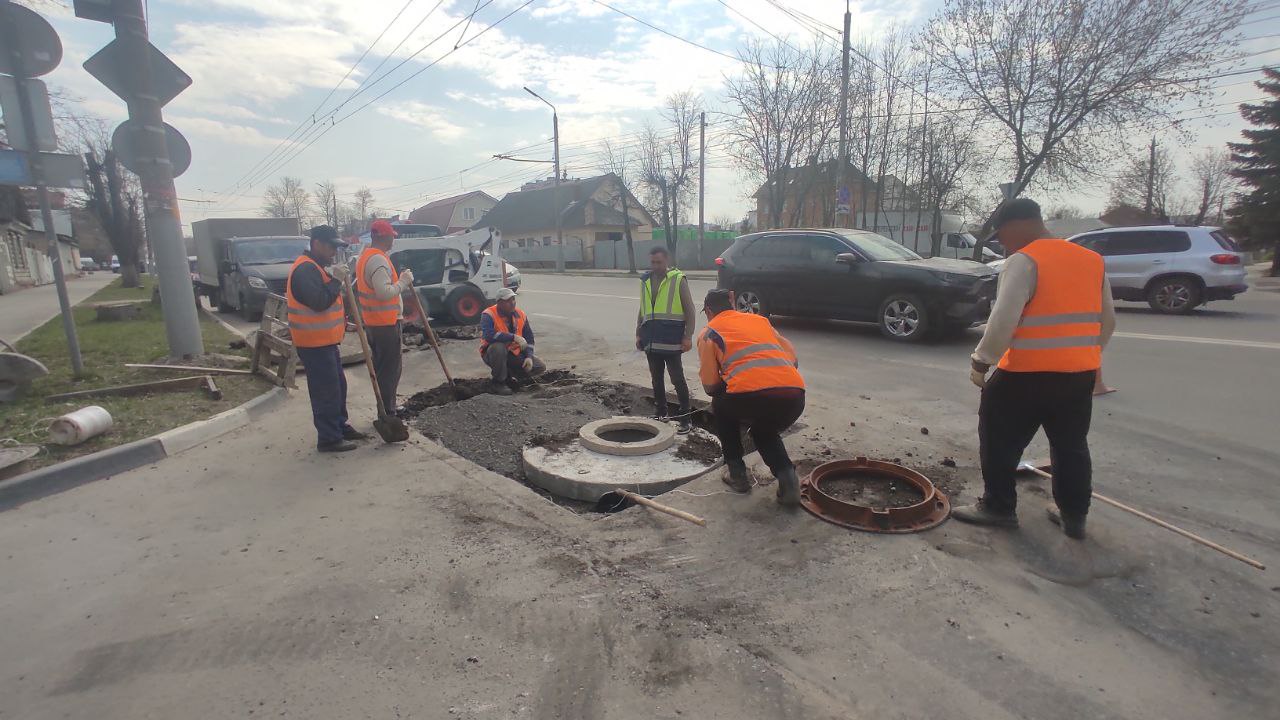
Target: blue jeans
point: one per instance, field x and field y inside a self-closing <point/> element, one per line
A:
<point x="327" y="386"/>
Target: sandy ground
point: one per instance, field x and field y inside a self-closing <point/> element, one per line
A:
<point x="255" y="578"/>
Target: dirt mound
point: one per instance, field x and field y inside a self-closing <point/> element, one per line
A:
<point x="871" y="490"/>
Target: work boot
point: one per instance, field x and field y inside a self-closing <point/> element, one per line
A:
<point x="685" y="427"/>
<point x="350" y="433"/>
<point x="501" y="389"/>
<point x="336" y="446"/>
<point x="1072" y="525"/>
<point x="738" y="480"/>
<point x="979" y="514"/>
<point x="788" y="488"/>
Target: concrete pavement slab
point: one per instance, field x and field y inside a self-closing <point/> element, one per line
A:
<point x="29" y="308"/>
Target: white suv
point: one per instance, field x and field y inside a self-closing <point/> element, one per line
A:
<point x="1174" y="268"/>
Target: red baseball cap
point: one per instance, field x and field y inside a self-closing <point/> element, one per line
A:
<point x="382" y="227"/>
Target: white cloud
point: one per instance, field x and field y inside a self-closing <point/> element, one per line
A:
<point x="425" y="116"/>
<point x="230" y="133"/>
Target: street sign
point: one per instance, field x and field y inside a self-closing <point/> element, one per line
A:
<point x="60" y="170"/>
<point x="842" y="201"/>
<point x="38" y="95"/>
<point x="125" y="143"/>
<point x="98" y="10"/>
<point x="1007" y="190"/>
<point x="110" y="68"/>
<point x="38" y="44"/>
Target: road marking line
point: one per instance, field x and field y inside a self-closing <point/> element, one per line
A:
<point x="1202" y="340"/>
<point x="549" y="315"/>
<point x="561" y="292"/>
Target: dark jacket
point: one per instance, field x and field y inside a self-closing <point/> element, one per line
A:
<point x="310" y="288"/>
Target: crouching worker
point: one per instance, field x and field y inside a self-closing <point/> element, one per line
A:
<point x="750" y="372"/>
<point x="506" y="342"/>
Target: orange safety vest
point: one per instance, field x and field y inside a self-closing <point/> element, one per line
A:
<point x="753" y="357"/>
<point x="375" y="312"/>
<point x="1061" y="326"/>
<point x="308" y="327"/>
<point x="500" y="326"/>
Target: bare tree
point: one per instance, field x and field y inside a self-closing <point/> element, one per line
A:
<point x="289" y="199"/>
<point x="785" y="115"/>
<point x="1211" y="171"/>
<point x="1061" y="81"/>
<point x="668" y="161"/>
<point x="726" y="222"/>
<point x="327" y="197"/>
<point x="363" y="202"/>
<point x="116" y="208"/>
<point x="951" y="154"/>
<point x="1140" y="180"/>
<point x="1063" y="211"/>
<point x="619" y="162"/>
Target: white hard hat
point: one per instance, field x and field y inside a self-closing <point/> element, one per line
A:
<point x="506" y="294"/>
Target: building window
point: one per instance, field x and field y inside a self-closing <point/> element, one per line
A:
<point x="468" y="213"/>
<point x="546" y="240"/>
<point x="17" y="253"/>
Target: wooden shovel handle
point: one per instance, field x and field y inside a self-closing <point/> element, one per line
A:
<point x="642" y="500"/>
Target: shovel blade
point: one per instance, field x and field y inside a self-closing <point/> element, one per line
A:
<point x="391" y="429"/>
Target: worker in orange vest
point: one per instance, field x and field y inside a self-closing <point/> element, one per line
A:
<point x="1051" y="319"/>
<point x="317" y="322"/>
<point x="506" y="342"/>
<point x="378" y="290"/>
<point x="752" y="376"/>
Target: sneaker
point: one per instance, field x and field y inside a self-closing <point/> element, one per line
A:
<point x="979" y="514"/>
<point x="337" y="446"/>
<point x="660" y="417"/>
<point x="685" y="427"/>
<point x="1072" y="525"/>
<point x="350" y="433"/>
<point x="738" y="480"/>
<point x="501" y="389"/>
<point x="788" y="488"/>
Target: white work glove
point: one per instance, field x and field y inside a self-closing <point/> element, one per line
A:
<point x="978" y="374"/>
<point x="340" y="272"/>
<point x="521" y="342"/>
<point x="406" y="280"/>
<point x="527" y="365"/>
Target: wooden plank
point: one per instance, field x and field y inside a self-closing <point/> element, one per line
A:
<point x="191" y="368"/>
<point x="185" y="383"/>
<point x="211" y="388"/>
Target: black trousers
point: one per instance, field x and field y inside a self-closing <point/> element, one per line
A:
<point x="767" y="413"/>
<point x="503" y="365"/>
<point x="384" y="345"/>
<point x="660" y="364"/>
<point x="327" y="387"/>
<point x="1015" y="405"/>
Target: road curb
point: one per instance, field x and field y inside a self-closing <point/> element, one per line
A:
<point x="691" y="274"/>
<point x="113" y="461"/>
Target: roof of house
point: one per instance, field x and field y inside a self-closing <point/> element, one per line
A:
<point x="440" y="212"/>
<point x="533" y="209"/>
<point x="808" y="173"/>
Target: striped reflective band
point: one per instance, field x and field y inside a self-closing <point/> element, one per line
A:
<point x="664" y="316"/>
<point x="1056" y="342"/>
<point x="1061" y="319"/>
<point x="665" y="347"/>
<point x="751" y="350"/>
<point x="758" y="363"/>
<point x="316" y="325"/>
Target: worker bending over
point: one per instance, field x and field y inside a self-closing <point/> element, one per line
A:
<point x="506" y="342"/>
<point x="1052" y="317"/>
<point x="378" y="290"/>
<point x="750" y="372"/>
<point x="317" y="322"/>
<point x="664" y="330"/>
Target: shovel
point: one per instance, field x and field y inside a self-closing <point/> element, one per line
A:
<point x="435" y="341"/>
<point x="616" y="500"/>
<point x="390" y="428"/>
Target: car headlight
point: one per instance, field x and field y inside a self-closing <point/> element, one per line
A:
<point x="953" y="278"/>
<point x="257" y="282"/>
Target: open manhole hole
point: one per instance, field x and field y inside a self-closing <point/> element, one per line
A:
<point x="873" y="495"/>
<point x="627" y="436"/>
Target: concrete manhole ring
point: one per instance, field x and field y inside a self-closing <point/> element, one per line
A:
<point x="661" y="436"/>
<point x="929" y="512"/>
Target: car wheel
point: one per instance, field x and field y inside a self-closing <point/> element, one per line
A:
<point x="904" y="318"/>
<point x="245" y="312"/>
<point x="749" y="301"/>
<point x="1174" y="295"/>
<point x="466" y="305"/>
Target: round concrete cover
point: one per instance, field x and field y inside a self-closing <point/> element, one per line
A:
<point x="576" y="472"/>
<point x="664" y="436"/>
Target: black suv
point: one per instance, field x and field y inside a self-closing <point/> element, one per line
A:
<point x="856" y="275"/>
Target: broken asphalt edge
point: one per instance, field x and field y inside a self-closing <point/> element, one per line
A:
<point x="85" y="469"/>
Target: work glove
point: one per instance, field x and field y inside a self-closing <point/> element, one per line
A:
<point x="406" y="280"/>
<point x="527" y="365"/>
<point x="521" y="342"/>
<point x="978" y="374"/>
<point x="340" y="272"/>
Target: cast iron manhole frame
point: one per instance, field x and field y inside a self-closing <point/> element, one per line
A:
<point x="926" y="514"/>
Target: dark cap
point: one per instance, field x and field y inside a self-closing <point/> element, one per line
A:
<point x="718" y="300"/>
<point x="326" y="233"/>
<point x="1018" y="209"/>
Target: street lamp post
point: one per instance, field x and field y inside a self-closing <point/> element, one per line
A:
<point x="555" y="195"/>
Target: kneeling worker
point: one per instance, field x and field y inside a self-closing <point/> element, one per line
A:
<point x="750" y="372"/>
<point x="1051" y="318"/>
<point x="378" y="289"/>
<point x="317" y="323"/>
<point x="506" y="342"/>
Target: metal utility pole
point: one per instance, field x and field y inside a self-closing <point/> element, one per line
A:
<point x="145" y="79"/>
<point x="843" y="160"/>
<point x="702" y="182"/>
<point x="1151" y="177"/>
<point x="17" y="63"/>
<point x="555" y="193"/>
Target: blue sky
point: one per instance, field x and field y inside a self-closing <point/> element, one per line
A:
<point x="261" y="66"/>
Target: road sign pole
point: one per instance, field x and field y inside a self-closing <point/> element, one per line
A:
<point x="46" y="212"/>
<point x="160" y="197"/>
